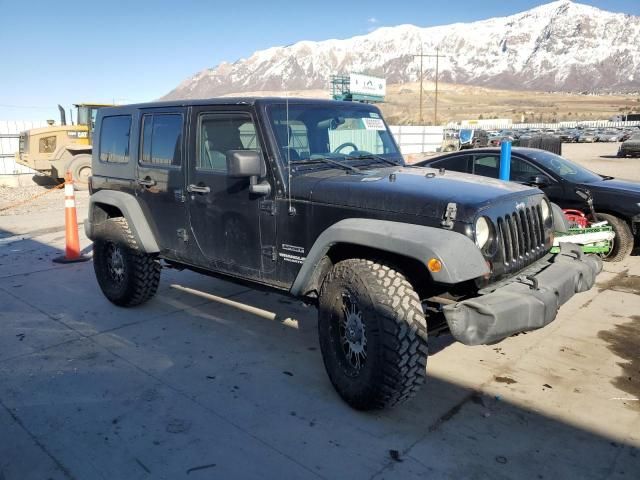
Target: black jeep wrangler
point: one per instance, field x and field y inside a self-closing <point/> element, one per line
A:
<point x="313" y="198"/>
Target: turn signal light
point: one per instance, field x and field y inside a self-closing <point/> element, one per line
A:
<point x="434" y="265"/>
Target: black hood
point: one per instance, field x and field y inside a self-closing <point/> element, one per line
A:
<point x="413" y="191"/>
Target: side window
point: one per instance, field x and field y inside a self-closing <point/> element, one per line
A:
<point x="459" y="163"/>
<point x="47" y="144"/>
<point x="161" y="139"/>
<point x="114" y="139"/>
<point x="486" y="165"/>
<point x="523" y="171"/>
<point x="220" y="133"/>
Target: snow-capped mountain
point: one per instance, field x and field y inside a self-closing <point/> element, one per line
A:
<point x="558" y="46"/>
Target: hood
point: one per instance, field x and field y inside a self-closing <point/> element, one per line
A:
<point x="615" y="185"/>
<point x="414" y="191"/>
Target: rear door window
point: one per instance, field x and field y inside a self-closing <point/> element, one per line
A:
<point x="458" y="163"/>
<point x="486" y="165"/>
<point x="114" y="139"/>
<point x="161" y="139"/>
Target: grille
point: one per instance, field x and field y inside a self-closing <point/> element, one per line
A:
<point x="22" y="143"/>
<point x="521" y="236"/>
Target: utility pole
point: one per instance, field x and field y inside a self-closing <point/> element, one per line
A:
<point x="437" y="56"/>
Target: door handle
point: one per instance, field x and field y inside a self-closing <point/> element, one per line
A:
<point x="146" y="182"/>
<point x="198" y="189"/>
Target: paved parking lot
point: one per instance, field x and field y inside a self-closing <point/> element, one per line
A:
<point x="185" y="387"/>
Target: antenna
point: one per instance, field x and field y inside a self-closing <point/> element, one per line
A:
<point x="292" y="211"/>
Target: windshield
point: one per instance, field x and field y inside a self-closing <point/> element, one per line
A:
<point x="307" y="132"/>
<point x="564" y="168"/>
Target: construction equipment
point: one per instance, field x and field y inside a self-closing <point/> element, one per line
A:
<point x="56" y="149"/>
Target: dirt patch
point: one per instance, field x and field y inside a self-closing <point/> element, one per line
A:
<point x="507" y="380"/>
<point x="622" y="282"/>
<point x="624" y="341"/>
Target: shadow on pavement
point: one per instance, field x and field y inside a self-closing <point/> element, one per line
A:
<point x="184" y="386"/>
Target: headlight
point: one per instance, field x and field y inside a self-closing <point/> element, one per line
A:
<point x="546" y="209"/>
<point x="483" y="232"/>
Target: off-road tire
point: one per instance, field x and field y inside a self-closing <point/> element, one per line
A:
<point x="80" y="168"/>
<point x="140" y="272"/>
<point x="623" y="241"/>
<point x="395" y="328"/>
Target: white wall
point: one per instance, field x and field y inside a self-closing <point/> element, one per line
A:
<point x="8" y="146"/>
<point x="415" y="139"/>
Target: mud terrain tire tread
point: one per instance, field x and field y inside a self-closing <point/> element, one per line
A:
<point x="399" y="363"/>
<point x="142" y="275"/>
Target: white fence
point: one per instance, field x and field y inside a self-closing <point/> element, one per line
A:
<point x="9" y="131"/>
<point x="415" y="139"/>
<point x="499" y="125"/>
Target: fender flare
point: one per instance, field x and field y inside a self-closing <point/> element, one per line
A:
<point x="131" y="211"/>
<point x="461" y="259"/>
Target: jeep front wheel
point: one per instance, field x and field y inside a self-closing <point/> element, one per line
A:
<point x="126" y="275"/>
<point x="373" y="334"/>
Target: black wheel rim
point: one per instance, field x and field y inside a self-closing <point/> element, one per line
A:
<point x="352" y="338"/>
<point x="115" y="262"/>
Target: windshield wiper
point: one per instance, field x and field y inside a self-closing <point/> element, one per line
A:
<point x="375" y="157"/>
<point x="330" y="161"/>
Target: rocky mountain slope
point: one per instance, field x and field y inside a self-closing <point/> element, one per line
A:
<point x="558" y="46"/>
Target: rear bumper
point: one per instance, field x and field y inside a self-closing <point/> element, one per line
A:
<point x="526" y="302"/>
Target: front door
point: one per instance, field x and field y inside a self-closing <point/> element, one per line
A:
<point x="225" y="217"/>
<point x="160" y="177"/>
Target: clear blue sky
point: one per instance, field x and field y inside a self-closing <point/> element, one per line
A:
<point x="138" y="50"/>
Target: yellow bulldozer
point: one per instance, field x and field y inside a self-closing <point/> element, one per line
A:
<point x="56" y="149"/>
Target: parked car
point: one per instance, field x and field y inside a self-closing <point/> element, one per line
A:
<point x="311" y="198"/>
<point x="616" y="201"/>
<point x="587" y="137"/>
<point x="630" y="147"/>
<point x="609" y="136"/>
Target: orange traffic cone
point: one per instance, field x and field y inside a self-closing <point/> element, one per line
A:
<point x="72" y="247"/>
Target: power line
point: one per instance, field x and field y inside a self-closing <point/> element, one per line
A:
<point x="437" y="56"/>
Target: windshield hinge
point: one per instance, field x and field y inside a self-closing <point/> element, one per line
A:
<point x="450" y="216"/>
<point x="268" y="206"/>
<point x="270" y="251"/>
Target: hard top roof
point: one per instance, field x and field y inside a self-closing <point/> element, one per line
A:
<point x="239" y="101"/>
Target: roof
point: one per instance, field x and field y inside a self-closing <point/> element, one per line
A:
<point x="239" y="101"/>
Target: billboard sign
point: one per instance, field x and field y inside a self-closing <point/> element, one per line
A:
<point x="366" y="85"/>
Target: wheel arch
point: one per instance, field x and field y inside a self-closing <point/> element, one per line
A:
<point x="407" y="246"/>
<point x="107" y="204"/>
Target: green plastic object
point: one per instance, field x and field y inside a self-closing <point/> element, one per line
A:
<point x="602" y="248"/>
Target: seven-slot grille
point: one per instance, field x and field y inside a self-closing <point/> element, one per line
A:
<point x="521" y="237"/>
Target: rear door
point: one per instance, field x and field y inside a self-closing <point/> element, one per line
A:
<point x="160" y="176"/>
<point x="233" y="229"/>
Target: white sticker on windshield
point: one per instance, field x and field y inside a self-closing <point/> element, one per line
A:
<point x="374" y="124"/>
<point x="374" y="115"/>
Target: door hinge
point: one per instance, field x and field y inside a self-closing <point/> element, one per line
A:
<point x="179" y="196"/>
<point x="270" y="251"/>
<point x="183" y="235"/>
<point x="268" y="206"/>
<point x="450" y="216"/>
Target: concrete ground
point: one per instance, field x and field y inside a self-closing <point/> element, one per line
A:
<point x="184" y="387"/>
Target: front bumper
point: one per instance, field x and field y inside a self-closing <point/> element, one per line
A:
<point x="526" y="302"/>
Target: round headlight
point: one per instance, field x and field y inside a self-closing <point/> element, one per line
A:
<point x="483" y="232"/>
<point x="546" y="209"/>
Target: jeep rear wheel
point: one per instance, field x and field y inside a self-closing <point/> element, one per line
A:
<point x="126" y="275"/>
<point x="373" y="334"/>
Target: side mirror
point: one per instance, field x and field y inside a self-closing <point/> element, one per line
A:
<point x="540" y="181"/>
<point x="248" y="164"/>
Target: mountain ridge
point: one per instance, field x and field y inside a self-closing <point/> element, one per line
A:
<point x="562" y="46"/>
